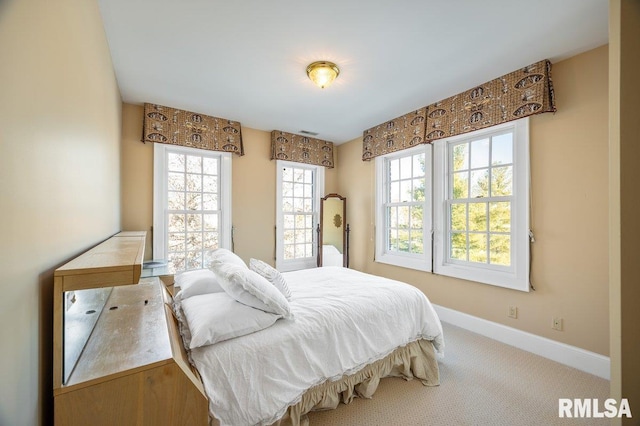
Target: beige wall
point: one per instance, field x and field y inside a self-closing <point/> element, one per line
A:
<point x="570" y="194"/>
<point x="624" y="210"/>
<point x="59" y="171"/>
<point x="253" y="189"/>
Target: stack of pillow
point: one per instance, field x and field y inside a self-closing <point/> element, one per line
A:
<point x="229" y="299"/>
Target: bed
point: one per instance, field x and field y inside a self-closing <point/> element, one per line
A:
<point x="344" y="330"/>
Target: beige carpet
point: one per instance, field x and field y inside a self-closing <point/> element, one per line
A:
<point x="482" y="382"/>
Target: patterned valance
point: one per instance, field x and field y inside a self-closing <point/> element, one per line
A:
<point x="400" y="133"/>
<point x="518" y="94"/>
<point x="178" y="127"/>
<point x="301" y="149"/>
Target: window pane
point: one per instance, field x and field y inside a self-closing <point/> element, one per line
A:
<point x="289" y="237"/>
<point x="418" y="190"/>
<point x="194" y="222"/>
<point x="298" y="175"/>
<point x="287" y="204"/>
<point x="298" y="205"/>
<point x="500" y="217"/>
<point x="479" y="183"/>
<point x="194" y="241"/>
<point x="419" y="166"/>
<point x="403" y="217"/>
<point x="308" y="190"/>
<point x="194" y="260"/>
<point x="394" y="195"/>
<point x="416" y="217"/>
<point x="403" y="240"/>
<point x="288" y="221"/>
<point x="501" y="181"/>
<point x="458" y="246"/>
<point x="287" y="174"/>
<point x="298" y="190"/>
<point x="176" y="223"/>
<point x="478" y="248"/>
<point x="405" y="191"/>
<point x="287" y="189"/>
<point x="194" y="164"/>
<point x="210" y="222"/>
<point x="458" y="217"/>
<point x="460" y="157"/>
<point x="194" y="182"/>
<point x="308" y="176"/>
<point x="461" y="185"/>
<point x="477" y="216"/>
<point x="405" y="167"/>
<point x="308" y="205"/>
<point x="393" y="240"/>
<point x="480" y="153"/>
<point x="299" y="251"/>
<point x="176" y="242"/>
<point x="175" y="162"/>
<point x="176" y="261"/>
<point x="392" y="214"/>
<point x="210" y="240"/>
<point x="500" y="253"/>
<point x="502" y="149"/>
<point x="300" y="220"/>
<point x="210" y="166"/>
<point x="209" y="184"/>
<point x="210" y="202"/>
<point x="175" y="200"/>
<point x="394" y="169"/>
<point x="175" y="181"/>
<point x="289" y="252"/>
<point x="417" y="243"/>
<point x="194" y="200"/>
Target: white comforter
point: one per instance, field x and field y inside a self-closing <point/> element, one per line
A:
<point x="343" y="320"/>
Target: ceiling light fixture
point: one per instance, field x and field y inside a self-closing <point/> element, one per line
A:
<point x="322" y="73"/>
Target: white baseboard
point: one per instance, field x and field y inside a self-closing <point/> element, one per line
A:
<point x="572" y="356"/>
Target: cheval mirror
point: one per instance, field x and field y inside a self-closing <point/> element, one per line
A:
<point x="333" y="232"/>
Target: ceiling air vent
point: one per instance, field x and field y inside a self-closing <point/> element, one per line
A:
<point x="306" y="132"/>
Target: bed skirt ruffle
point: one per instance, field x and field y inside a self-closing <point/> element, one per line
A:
<point x="416" y="359"/>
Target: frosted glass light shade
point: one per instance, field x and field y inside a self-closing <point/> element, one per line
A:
<point x="322" y="73"/>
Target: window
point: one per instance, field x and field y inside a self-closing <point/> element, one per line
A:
<point x="482" y="206"/>
<point x="477" y="206"/>
<point x="403" y="219"/>
<point x="192" y="205"/>
<point x="298" y="189"/>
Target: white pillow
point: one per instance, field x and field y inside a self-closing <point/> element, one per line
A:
<point x="225" y="256"/>
<point x="248" y="287"/>
<point x="193" y="283"/>
<point x="216" y="317"/>
<point x="272" y="275"/>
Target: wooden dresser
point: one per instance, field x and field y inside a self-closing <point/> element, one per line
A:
<point x="132" y="369"/>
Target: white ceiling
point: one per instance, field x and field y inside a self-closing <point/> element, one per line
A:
<point x="246" y="60"/>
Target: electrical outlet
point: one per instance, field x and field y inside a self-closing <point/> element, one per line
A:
<point x="557" y="324"/>
<point x="513" y="312"/>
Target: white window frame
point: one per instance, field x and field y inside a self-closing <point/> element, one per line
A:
<point x="160" y="201"/>
<point x="422" y="261"/>
<point x="318" y="188"/>
<point x="517" y="275"/>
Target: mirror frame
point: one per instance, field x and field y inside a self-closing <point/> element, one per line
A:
<point x="345" y="229"/>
